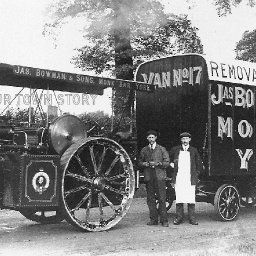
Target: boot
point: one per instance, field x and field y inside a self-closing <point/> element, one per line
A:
<point x="179" y="214"/>
<point x="152" y="223"/>
<point x="191" y="214"/>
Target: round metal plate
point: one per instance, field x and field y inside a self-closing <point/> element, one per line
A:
<point x="66" y="130"/>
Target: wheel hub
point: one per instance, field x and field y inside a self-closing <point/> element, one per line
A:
<point x="228" y="201"/>
<point x="99" y="183"/>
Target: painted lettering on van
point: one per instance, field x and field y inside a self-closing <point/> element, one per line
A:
<point x="232" y="73"/>
<point x="237" y="96"/>
<point x="178" y="77"/>
<point x="244" y="129"/>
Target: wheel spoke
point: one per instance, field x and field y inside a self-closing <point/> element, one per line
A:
<point x="222" y="204"/>
<point x="233" y="195"/>
<point x="222" y="210"/>
<point x="108" y="202"/>
<point x="100" y="206"/>
<point x="118" y="191"/>
<point x="112" y="165"/>
<point x="87" y="214"/>
<point x="74" y="190"/>
<point x="229" y="192"/>
<point x="82" y="165"/>
<point x="123" y="175"/>
<point x="123" y="183"/>
<point x="81" y="202"/>
<point x="227" y="213"/>
<point x="93" y="160"/>
<point x="79" y="177"/>
<point x="232" y="209"/>
<point x="101" y="159"/>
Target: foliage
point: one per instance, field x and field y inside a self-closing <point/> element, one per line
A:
<point x="177" y="35"/>
<point x="120" y="34"/>
<point x="21" y="116"/>
<point x="224" y="7"/>
<point x="149" y="30"/>
<point x="246" y="47"/>
<point x="102" y="123"/>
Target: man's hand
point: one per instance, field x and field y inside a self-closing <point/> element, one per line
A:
<point x="145" y="164"/>
<point x="152" y="164"/>
<point x="173" y="185"/>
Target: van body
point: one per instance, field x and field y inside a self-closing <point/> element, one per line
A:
<point x="213" y="100"/>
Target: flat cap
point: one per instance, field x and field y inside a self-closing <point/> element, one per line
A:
<point x="151" y="132"/>
<point x="185" y="134"/>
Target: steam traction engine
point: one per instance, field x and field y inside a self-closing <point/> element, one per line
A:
<point x="57" y="172"/>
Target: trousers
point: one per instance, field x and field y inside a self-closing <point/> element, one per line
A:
<point x="156" y="192"/>
<point x="180" y="211"/>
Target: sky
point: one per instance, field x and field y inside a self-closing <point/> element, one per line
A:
<point x="22" y="42"/>
<point x="218" y="35"/>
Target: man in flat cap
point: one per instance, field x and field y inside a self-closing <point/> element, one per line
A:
<point x="187" y="164"/>
<point x="154" y="159"/>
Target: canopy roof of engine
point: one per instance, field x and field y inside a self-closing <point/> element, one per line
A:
<point x="37" y="78"/>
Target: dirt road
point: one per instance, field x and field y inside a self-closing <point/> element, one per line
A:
<point x="19" y="236"/>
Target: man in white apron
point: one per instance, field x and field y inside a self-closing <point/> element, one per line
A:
<point x="187" y="165"/>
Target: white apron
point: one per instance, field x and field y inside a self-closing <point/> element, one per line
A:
<point x="185" y="192"/>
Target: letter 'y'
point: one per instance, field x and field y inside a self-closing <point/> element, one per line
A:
<point x="244" y="158"/>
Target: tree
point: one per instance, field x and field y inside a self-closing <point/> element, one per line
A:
<point x="21" y="116"/>
<point x="177" y="35"/>
<point x="224" y="7"/>
<point x="121" y="34"/>
<point x="100" y="123"/>
<point x="246" y="47"/>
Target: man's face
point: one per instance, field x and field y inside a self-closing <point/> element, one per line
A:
<point x="151" y="139"/>
<point x="185" y="141"/>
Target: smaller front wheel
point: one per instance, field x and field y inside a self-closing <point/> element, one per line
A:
<point x="43" y="217"/>
<point x="227" y="202"/>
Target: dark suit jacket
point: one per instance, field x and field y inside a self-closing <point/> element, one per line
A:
<point x="195" y="162"/>
<point x="159" y="154"/>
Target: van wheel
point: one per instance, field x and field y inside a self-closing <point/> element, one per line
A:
<point x="227" y="202"/>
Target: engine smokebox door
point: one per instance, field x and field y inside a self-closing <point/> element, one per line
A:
<point x="40" y="180"/>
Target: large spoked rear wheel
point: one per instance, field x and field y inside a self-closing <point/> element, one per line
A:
<point x="98" y="184"/>
<point x="227" y="202"/>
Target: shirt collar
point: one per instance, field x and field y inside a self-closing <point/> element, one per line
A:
<point x="185" y="148"/>
<point x="153" y="146"/>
